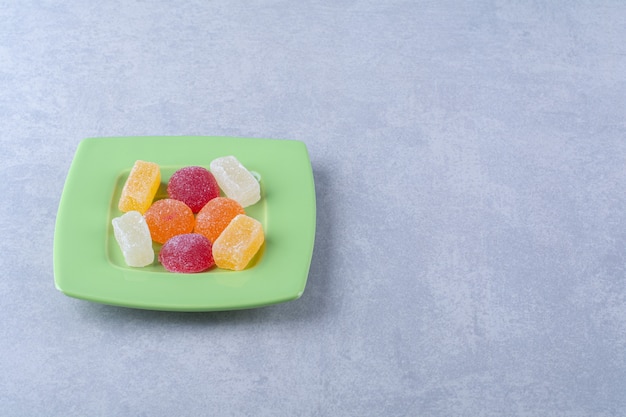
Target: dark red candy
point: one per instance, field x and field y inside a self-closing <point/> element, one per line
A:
<point x="194" y="186"/>
<point x="187" y="253"/>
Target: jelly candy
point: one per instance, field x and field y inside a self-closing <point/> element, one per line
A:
<point x="140" y="187"/>
<point x="238" y="243"/>
<point x="221" y="234"/>
<point x="215" y="216"/>
<point x="235" y="180"/>
<point x="133" y="237"/>
<point x="187" y="253"/>
<point x="194" y="186"/>
<point x="167" y="218"/>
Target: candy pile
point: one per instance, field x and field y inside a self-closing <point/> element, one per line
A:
<point x="197" y="228"/>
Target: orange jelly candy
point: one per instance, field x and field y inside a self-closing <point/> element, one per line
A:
<point x="215" y="216"/>
<point x="167" y="218"/>
<point x="140" y="187"/>
<point x="238" y="243"/>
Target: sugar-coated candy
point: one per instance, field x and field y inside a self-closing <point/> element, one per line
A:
<point x="140" y="187"/>
<point x="187" y="253"/>
<point x="235" y="180"/>
<point x="238" y="243"/>
<point x="194" y="186"/>
<point x="215" y="216"/>
<point x="167" y="218"/>
<point x="133" y="237"/>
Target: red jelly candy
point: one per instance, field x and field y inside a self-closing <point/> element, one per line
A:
<point x="194" y="186"/>
<point x="188" y="253"/>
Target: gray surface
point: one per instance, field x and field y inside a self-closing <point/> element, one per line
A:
<point x="471" y="235"/>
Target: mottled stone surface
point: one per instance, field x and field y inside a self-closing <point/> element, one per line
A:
<point x="470" y="168"/>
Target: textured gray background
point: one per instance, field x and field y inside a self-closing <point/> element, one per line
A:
<point x="469" y="160"/>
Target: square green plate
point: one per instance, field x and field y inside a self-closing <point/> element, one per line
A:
<point x="89" y="265"/>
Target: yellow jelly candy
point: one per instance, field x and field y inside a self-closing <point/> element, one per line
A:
<point x="238" y="243"/>
<point x="140" y="187"/>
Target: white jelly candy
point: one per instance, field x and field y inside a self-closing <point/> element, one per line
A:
<point x="133" y="236"/>
<point x="235" y="180"/>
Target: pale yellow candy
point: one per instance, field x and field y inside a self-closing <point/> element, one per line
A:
<point x="133" y="236"/>
<point x="235" y="180"/>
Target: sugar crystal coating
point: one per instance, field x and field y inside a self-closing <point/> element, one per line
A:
<point x="194" y="186"/>
<point x="235" y="180"/>
<point x="140" y="187"/>
<point x="167" y="218"/>
<point x="187" y="253"/>
<point x="133" y="237"/>
<point x="215" y="216"/>
<point x="238" y="243"/>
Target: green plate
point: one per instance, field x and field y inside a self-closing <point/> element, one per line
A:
<point x="89" y="265"/>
